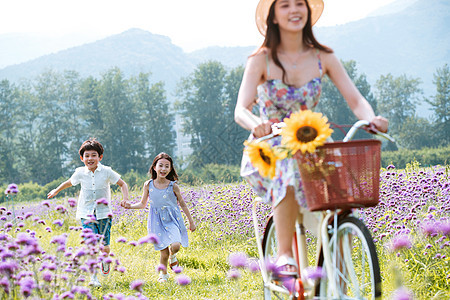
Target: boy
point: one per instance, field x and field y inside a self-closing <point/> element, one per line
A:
<point x="95" y="180"/>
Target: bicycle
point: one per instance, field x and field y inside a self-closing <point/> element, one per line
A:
<point x="337" y="178"/>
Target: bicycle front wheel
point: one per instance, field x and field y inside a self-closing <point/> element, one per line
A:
<point x="354" y="261"/>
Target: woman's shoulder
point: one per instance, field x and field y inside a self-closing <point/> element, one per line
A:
<point x="259" y="54"/>
<point x="257" y="62"/>
<point x="147" y="183"/>
<point x="328" y="59"/>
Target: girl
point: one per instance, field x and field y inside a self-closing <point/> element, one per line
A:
<point x="164" y="218"/>
<point x="286" y="73"/>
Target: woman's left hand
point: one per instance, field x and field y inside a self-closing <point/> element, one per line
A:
<point x="380" y="123"/>
<point x="192" y="227"/>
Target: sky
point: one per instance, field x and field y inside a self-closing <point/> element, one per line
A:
<point x="190" y="24"/>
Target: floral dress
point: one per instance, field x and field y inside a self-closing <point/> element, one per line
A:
<point x="277" y="101"/>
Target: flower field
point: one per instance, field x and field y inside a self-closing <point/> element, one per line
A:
<point x="45" y="254"/>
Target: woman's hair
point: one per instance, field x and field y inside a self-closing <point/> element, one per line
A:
<point x="272" y="38"/>
<point x="91" y="144"/>
<point x="172" y="176"/>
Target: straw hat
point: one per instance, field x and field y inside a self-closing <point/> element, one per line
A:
<point x="262" y="11"/>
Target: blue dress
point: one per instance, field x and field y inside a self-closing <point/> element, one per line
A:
<point x="164" y="217"/>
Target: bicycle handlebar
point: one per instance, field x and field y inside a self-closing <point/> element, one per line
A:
<point x="361" y="124"/>
<point x="370" y="128"/>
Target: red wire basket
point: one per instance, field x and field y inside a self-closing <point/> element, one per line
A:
<point x="341" y="175"/>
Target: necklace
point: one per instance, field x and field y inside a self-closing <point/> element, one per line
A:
<point x="295" y="62"/>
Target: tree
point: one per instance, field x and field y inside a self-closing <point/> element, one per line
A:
<point x="156" y="120"/>
<point x="396" y="99"/>
<point x="202" y="107"/>
<point x="440" y="106"/>
<point x="334" y="106"/>
<point x="415" y="133"/>
<point x="120" y="135"/>
<point x="232" y="136"/>
<point x="28" y="136"/>
<point x="57" y="122"/>
<point x="8" y="130"/>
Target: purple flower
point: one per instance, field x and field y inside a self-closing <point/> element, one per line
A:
<point x="58" y="222"/>
<point x="32" y="250"/>
<point x="271" y="267"/>
<point x="65" y="295"/>
<point x="47" y="276"/>
<point x="429" y="228"/>
<point x="8" y="268"/>
<point x="12" y="189"/>
<point x="72" y="202"/>
<point x="24" y="239"/>
<point x="4" y="283"/>
<point x="26" y="286"/>
<point x="238" y="260"/>
<point x="137" y="285"/>
<point x="314" y="273"/>
<point x="183" y="280"/>
<point x="102" y="201"/>
<point x="234" y="274"/>
<point x="60" y="239"/>
<point x="161" y="268"/>
<point x="121" y="269"/>
<point x="402" y="294"/>
<point x="253" y="265"/>
<point x="121" y="240"/>
<point x="177" y="269"/>
<point x="151" y="238"/>
<point x="45" y="203"/>
<point x="445" y="228"/>
<point x="400" y="241"/>
<point x="60" y="208"/>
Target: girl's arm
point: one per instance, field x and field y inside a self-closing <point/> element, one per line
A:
<point x="177" y="192"/>
<point x="61" y="187"/>
<point x="253" y="75"/>
<point x="357" y="103"/>
<point x="141" y="204"/>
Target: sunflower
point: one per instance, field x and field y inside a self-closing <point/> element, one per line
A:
<point x="262" y="157"/>
<point x="305" y="130"/>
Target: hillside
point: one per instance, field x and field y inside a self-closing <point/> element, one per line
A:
<point x="408" y="37"/>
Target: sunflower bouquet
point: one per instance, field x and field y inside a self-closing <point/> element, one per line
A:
<point x="304" y="131"/>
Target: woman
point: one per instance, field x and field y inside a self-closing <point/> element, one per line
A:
<point x="286" y="73"/>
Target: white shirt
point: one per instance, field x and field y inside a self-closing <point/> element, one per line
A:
<point x="94" y="186"/>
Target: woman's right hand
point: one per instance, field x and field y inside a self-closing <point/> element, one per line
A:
<point x="262" y="130"/>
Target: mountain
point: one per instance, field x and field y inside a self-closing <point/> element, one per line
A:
<point x="18" y="48"/>
<point x="407" y="37"/>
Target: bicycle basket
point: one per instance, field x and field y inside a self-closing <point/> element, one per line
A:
<point x="341" y="175"/>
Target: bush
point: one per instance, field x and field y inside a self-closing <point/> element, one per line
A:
<point x="210" y="173"/>
<point x="133" y="179"/>
<point x="425" y="157"/>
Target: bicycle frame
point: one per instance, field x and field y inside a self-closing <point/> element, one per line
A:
<point x="299" y="239"/>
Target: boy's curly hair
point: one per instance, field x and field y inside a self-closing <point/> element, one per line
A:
<point x="91" y="144"/>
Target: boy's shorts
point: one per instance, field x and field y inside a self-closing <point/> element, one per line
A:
<point x="102" y="226"/>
